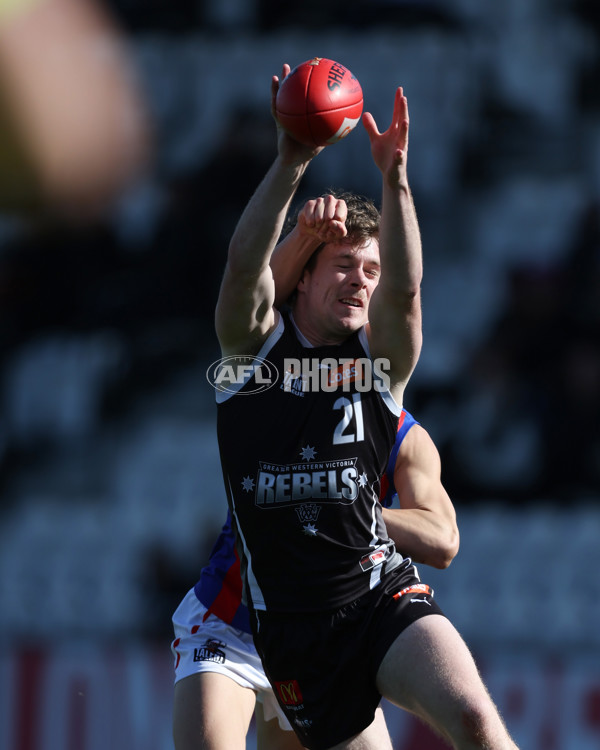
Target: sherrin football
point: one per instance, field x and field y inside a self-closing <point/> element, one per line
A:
<point x="319" y="102"/>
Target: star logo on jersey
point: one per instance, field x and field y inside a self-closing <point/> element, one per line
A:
<point x="310" y="529"/>
<point x="248" y="484"/>
<point x="308" y="453"/>
<point x="362" y="480"/>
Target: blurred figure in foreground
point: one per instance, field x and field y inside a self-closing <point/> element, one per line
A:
<point x="74" y="132"/>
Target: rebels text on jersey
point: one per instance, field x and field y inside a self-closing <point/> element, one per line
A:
<point x="301" y="467"/>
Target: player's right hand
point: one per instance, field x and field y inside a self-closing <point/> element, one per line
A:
<point x="290" y="150"/>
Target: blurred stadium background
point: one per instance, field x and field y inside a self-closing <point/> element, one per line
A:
<point x="110" y="484"/>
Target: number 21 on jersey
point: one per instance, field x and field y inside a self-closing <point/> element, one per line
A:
<point x="352" y="419"/>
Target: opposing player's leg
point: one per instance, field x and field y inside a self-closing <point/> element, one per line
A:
<point x="219" y="679"/>
<point x="211" y="712"/>
<point x="270" y="735"/>
<point x="429" y="671"/>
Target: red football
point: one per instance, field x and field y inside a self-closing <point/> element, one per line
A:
<point x="319" y="102"/>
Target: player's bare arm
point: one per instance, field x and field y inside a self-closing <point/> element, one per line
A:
<point x="245" y="314"/>
<point x="395" y="310"/>
<point x="424" y="527"/>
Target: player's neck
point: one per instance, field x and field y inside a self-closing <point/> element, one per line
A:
<point x="312" y="336"/>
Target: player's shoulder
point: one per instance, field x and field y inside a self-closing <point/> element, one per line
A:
<point x="417" y="445"/>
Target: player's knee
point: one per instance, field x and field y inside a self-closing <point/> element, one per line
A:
<point x="473" y="724"/>
<point x="478" y="719"/>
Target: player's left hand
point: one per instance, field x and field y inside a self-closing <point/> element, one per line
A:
<point x="389" y="148"/>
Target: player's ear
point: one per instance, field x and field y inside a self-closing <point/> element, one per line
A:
<point x="303" y="281"/>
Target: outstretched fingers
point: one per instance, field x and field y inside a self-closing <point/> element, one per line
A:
<point x="400" y="119"/>
<point x="370" y="125"/>
<point x="389" y="148"/>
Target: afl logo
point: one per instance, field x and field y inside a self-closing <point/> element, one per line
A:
<point x="231" y="374"/>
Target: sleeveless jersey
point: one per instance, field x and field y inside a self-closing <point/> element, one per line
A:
<point x="220" y="586"/>
<point x="302" y="462"/>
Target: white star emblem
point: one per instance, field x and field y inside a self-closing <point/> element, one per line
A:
<point x="310" y="529"/>
<point x="362" y="480"/>
<point x="308" y="453"/>
<point x="248" y="484"/>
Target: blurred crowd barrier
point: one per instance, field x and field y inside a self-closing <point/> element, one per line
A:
<point x="86" y="696"/>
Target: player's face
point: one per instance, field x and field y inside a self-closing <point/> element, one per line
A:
<point x="334" y="296"/>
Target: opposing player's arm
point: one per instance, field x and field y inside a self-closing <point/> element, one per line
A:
<point x="245" y="315"/>
<point x="395" y="310"/>
<point x="320" y="220"/>
<point x="424" y="527"/>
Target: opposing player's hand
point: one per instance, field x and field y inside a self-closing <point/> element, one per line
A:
<point x="389" y="148"/>
<point x="289" y="149"/>
<point x="324" y="218"/>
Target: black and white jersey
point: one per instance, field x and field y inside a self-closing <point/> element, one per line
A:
<point x="304" y="439"/>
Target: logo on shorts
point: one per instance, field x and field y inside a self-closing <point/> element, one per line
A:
<point x="289" y="692"/>
<point x="210" y="651"/>
<point x="303" y="723"/>
<point x="417" y="588"/>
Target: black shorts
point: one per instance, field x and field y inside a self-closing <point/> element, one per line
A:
<point x="323" y="666"/>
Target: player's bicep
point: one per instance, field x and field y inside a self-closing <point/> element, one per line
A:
<point x="417" y="474"/>
<point x="244" y="313"/>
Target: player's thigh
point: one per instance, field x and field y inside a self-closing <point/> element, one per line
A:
<point x="430" y="671"/>
<point x="375" y="737"/>
<point x="211" y="712"/>
<point x="270" y="736"/>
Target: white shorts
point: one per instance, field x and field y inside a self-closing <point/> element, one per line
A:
<point x="214" y="646"/>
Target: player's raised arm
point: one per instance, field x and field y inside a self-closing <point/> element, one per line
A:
<point x="395" y="313"/>
<point x="245" y="314"/>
